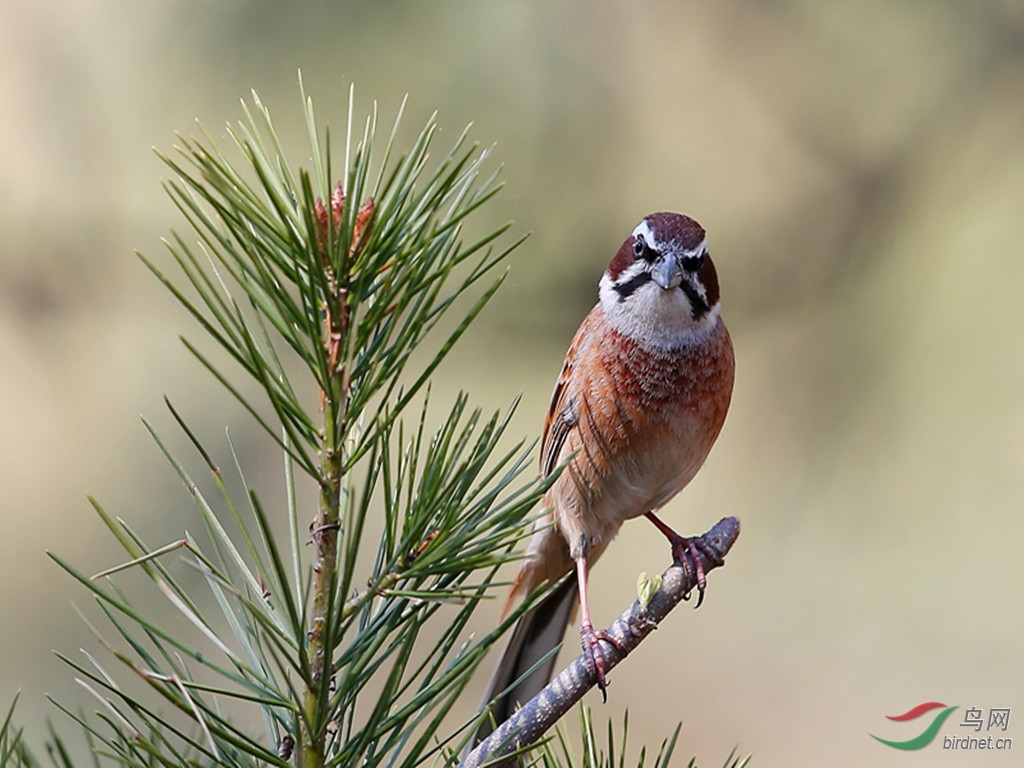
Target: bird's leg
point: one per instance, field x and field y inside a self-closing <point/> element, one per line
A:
<point x="685" y="552"/>
<point x="589" y="637"/>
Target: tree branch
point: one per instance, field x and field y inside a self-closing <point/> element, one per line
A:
<point x="540" y="713"/>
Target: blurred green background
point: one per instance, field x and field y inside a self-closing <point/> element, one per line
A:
<point x="859" y="167"/>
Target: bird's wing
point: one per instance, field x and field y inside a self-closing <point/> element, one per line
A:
<point x="563" y="412"/>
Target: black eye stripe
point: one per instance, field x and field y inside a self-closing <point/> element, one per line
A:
<point x="626" y="289"/>
<point x="693" y="263"/>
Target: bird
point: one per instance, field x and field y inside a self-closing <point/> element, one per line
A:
<point x="640" y="400"/>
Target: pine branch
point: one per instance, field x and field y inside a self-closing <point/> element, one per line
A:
<point x="539" y="714"/>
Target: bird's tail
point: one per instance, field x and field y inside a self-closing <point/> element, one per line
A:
<point x="535" y="636"/>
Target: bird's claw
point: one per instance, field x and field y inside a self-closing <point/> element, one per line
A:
<point x="590" y="639"/>
<point x="686" y="552"/>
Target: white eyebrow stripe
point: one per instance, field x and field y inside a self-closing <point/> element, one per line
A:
<point x="643" y="230"/>
<point x="701" y="247"/>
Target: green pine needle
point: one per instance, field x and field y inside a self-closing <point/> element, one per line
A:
<point x="319" y="294"/>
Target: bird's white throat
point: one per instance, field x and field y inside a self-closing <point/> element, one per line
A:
<point x="655" y="318"/>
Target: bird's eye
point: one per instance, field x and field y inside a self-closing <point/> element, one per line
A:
<point x="693" y="263"/>
<point x="639" y="246"/>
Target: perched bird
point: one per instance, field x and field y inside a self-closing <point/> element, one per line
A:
<point x="640" y="400"/>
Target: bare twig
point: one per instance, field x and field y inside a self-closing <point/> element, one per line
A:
<point x="540" y="713"/>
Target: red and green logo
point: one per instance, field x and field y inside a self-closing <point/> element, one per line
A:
<point x="925" y="737"/>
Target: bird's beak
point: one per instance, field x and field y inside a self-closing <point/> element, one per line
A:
<point x="667" y="272"/>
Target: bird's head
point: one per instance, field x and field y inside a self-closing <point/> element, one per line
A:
<point x="661" y="288"/>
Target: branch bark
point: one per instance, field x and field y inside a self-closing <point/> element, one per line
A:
<point x="527" y="725"/>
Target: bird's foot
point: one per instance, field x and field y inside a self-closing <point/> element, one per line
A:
<point x="686" y="551"/>
<point x="590" y="639"/>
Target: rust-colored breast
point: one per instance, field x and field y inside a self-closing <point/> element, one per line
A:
<point x="640" y="423"/>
